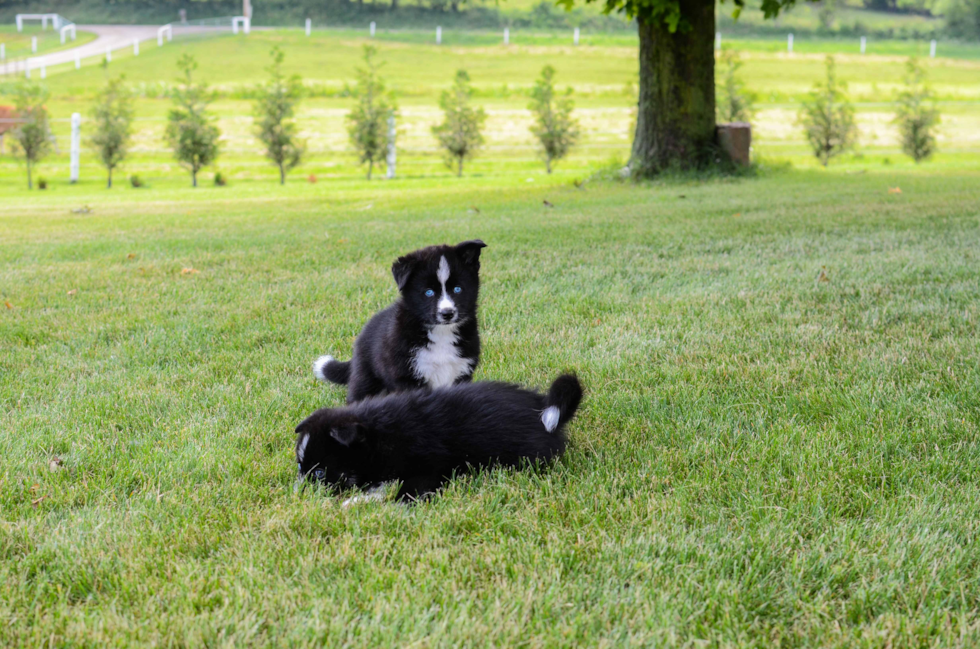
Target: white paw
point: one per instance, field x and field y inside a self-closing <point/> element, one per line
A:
<point x="372" y="495"/>
<point x="550" y="418"/>
<point x="320" y="367"/>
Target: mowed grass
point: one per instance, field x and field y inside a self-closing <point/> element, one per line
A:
<point x="779" y="444"/>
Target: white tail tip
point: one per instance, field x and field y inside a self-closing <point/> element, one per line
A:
<point x="550" y="418"/>
<point x="320" y="367"/>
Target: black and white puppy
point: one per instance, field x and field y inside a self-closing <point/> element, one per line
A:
<point x="422" y="438"/>
<point x="428" y="338"/>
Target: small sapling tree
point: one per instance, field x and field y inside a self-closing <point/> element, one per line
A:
<point x="274" y="110"/>
<point x="554" y="126"/>
<point x="827" y="117"/>
<point x="367" y="123"/>
<point x="112" y="117"/>
<point x="459" y="134"/>
<point x="734" y="102"/>
<point x="31" y="136"/>
<point x="190" y="131"/>
<point x="917" y="115"/>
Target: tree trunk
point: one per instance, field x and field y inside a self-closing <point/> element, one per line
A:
<point x="194" y="177"/>
<point x="394" y="5"/>
<point x="547" y="164"/>
<point x="675" y="122"/>
<point x="30" y="183"/>
<point x="370" y="168"/>
<point x="109" y="184"/>
<point x="459" y="170"/>
<point x="282" y="175"/>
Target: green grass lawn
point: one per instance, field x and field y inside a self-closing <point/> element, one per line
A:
<point x="779" y="444"/>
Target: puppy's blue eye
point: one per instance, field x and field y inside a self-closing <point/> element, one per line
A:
<point x="457" y="290"/>
<point x="429" y="293"/>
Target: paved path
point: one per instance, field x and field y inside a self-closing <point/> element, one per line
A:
<point x="114" y="37"/>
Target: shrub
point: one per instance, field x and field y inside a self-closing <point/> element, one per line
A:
<point x="367" y="123"/>
<point x="554" y="126"/>
<point x="219" y="179"/>
<point x="917" y="115"/>
<point x="112" y="116"/>
<point x="190" y="129"/>
<point x="459" y="134"/>
<point x="135" y="181"/>
<point x="274" y="110"/>
<point x="42" y="182"/>
<point x="827" y="117"/>
<point x="32" y="135"/>
<point x="734" y="103"/>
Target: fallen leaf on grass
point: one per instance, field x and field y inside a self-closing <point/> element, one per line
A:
<point x="131" y="255"/>
<point x="189" y="271"/>
<point x="894" y="190"/>
<point x="82" y="210"/>
<point x="737" y="214"/>
<point x="822" y="277"/>
<point x="682" y="196"/>
<point x="54" y="464"/>
<point x="73" y="291"/>
<point x="548" y="203"/>
<point x="312" y="179"/>
<point x="37" y="502"/>
<point x="8" y="305"/>
<point x="475" y="209"/>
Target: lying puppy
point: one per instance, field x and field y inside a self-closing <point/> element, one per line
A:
<point x="428" y="338"/>
<point x="422" y="438"/>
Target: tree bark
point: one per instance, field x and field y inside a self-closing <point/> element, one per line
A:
<point x="675" y="123"/>
<point x="30" y="183"/>
<point x="109" y="184"/>
<point x="194" y="177"/>
<point x="459" y="171"/>
<point x="282" y="175"/>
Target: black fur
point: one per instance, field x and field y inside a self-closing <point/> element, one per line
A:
<point x="422" y="438"/>
<point x="385" y="351"/>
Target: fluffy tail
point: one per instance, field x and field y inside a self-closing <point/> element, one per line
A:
<point x="327" y="368"/>
<point x="562" y="402"/>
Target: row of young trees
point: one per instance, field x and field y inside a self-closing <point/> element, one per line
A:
<point x="193" y="136"/>
<point x="827" y="116"/>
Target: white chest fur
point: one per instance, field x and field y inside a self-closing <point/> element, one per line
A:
<point x="439" y="363"/>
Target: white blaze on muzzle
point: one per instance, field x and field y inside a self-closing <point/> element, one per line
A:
<point x="443" y="276"/>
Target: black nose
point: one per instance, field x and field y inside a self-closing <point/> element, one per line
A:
<point x="447" y="314"/>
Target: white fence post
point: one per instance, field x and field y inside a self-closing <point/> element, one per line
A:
<point x="20" y="23"/>
<point x="506" y="36"/>
<point x="309" y="26"/>
<point x="390" y="160"/>
<point x="136" y="47"/>
<point x="33" y="44"/>
<point x="44" y="22"/>
<point x="372" y="28"/>
<point x="575" y="36"/>
<point x="717" y="41"/>
<point x="789" y="44"/>
<point x="170" y="34"/>
<point x="76" y="141"/>
<point x="438" y="35"/>
<point x="932" y="49"/>
<point x="864" y="43"/>
<point x="248" y="25"/>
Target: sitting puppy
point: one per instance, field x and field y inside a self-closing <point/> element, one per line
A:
<point x="422" y="438"/>
<point x="428" y="338"/>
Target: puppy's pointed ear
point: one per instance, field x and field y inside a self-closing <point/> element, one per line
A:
<point x="346" y="434"/>
<point x="312" y="423"/>
<point x="402" y="269"/>
<point x="469" y="252"/>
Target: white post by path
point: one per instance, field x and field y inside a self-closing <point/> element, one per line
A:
<point x="20" y="23"/>
<point x="170" y="34"/>
<point x="438" y="35"/>
<point x="372" y="28"/>
<point x="789" y="44"/>
<point x="717" y="41"/>
<point x="108" y="53"/>
<point x="136" y="47"/>
<point x="44" y="22"/>
<point x="390" y="160"/>
<point x="76" y="144"/>
<point x="506" y="36"/>
<point x="248" y="26"/>
<point x="932" y="50"/>
<point x="309" y="26"/>
<point x="575" y="36"/>
<point x="864" y="43"/>
<point x="44" y="68"/>
<point x="33" y="44"/>
<point x="78" y="60"/>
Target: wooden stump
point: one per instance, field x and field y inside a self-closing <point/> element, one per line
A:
<point x="735" y="139"/>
